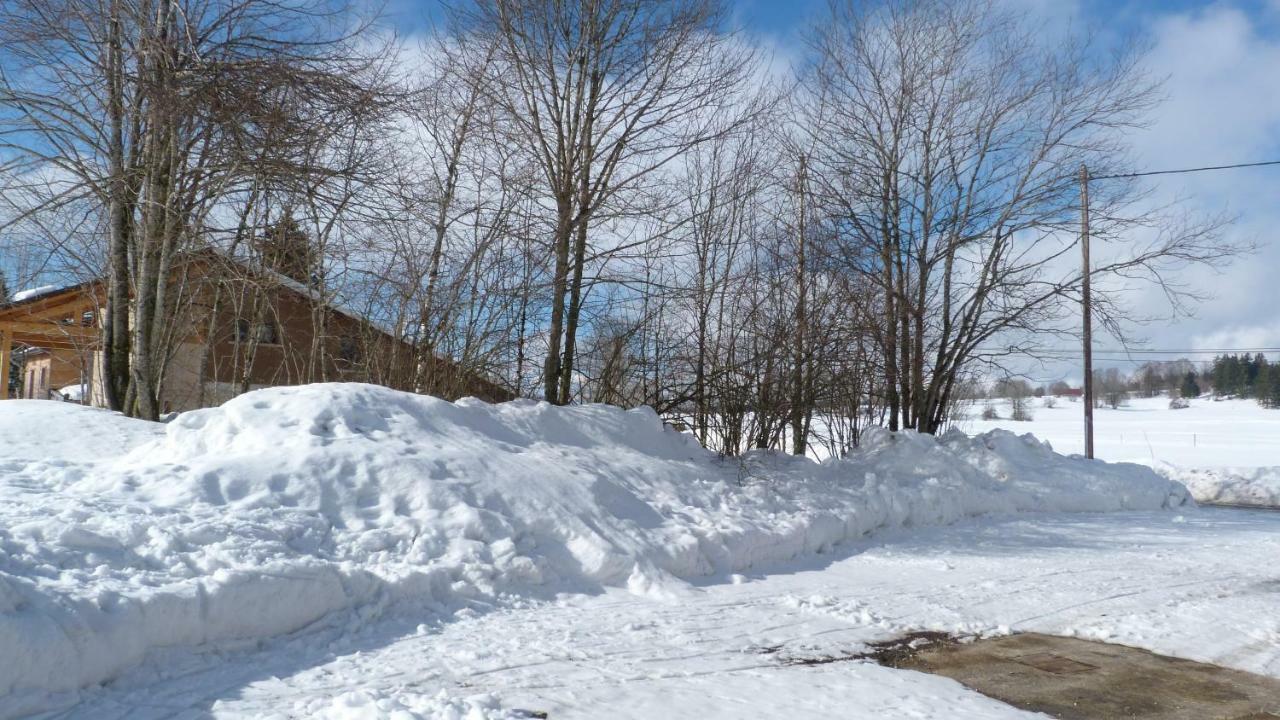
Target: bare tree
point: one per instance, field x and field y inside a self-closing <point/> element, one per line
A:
<point x="155" y="113"/>
<point x="604" y="94"/>
<point x="949" y="140"/>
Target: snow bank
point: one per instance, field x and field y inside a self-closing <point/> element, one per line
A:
<point x="272" y="512"/>
<point x="74" y="393"/>
<point x="1256" y="486"/>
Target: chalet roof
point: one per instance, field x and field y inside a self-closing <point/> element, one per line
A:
<point x="51" y="293"/>
<point x="46" y="294"/>
<point x="52" y="319"/>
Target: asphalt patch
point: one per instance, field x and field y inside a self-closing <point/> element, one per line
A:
<point x="1075" y="679"/>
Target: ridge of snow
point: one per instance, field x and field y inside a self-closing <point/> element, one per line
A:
<point x="1252" y="486"/>
<point x="272" y="512"/>
<point x="32" y="292"/>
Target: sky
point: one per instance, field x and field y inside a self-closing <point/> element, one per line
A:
<point x="1220" y="62"/>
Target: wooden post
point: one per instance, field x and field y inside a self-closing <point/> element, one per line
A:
<point x="1086" y="301"/>
<point x="6" y="352"/>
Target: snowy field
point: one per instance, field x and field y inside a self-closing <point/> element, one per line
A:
<point x="347" y="551"/>
<point x="1223" y="450"/>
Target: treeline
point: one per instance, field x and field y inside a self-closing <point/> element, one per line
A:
<point x="1229" y="375"/>
<point x="620" y="201"/>
<point x="1247" y="376"/>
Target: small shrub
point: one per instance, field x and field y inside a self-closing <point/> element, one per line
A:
<point x="989" y="412"/>
<point x="1179" y="404"/>
<point x="1021" y="412"/>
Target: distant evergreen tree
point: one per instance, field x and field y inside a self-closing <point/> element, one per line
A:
<point x="1263" y="382"/>
<point x="1251" y="366"/>
<point x="1189" y="388"/>
<point x="1228" y="375"/>
<point x="287" y="249"/>
<point x="4" y="289"/>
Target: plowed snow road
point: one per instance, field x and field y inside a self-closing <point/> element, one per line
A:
<point x="1204" y="584"/>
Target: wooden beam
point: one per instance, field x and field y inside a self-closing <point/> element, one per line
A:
<point x="6" y="347"/>
<point x="52" y="330"/>
<point x="48" y="343"/>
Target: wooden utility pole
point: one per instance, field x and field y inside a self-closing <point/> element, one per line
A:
<point x="1088" y="312"/>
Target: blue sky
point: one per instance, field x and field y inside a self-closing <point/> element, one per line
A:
<point x="1221" y="63"/>
<point x="1220" y="60"/>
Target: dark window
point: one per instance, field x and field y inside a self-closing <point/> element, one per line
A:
<point x="267" y="333"/>
<point x="264" y="333"/>
<point x="86" y="319"/>
<point x="349" y="349"/>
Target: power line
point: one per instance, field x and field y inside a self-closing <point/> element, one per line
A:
<point x="1185" y="170"/>
<point x="1135" y="351"/>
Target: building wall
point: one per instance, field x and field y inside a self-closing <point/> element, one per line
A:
<point x="182" y="382"/>
<point x="246" y="333"/>
<point x="51" y="370"/>
<point x="224" y="347"/>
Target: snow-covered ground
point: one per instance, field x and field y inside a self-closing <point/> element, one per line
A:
<point x="1223" y="450"/>
<point x="1195" y="584"/>
<point x="296" y="540"/>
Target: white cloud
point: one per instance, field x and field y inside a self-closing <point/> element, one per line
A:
<point x="1262" y="335"/>
<point x="1223" y="106"/>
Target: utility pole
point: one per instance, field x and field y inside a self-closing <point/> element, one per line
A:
<point x="1087" y="302"/>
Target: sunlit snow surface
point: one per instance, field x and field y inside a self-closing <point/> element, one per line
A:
<point x="349" y="551"/>
<point x="1200" y="584"/>
<point x="1225" y="451"/>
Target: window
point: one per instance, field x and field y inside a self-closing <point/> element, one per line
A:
<point x="267" y="334"/>
<point x="86" y="319"/>
<point x="349" y="349"/>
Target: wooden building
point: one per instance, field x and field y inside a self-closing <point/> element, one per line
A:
<point x="235" y="328"/>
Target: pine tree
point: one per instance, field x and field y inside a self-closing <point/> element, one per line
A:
<point x="1228" y="375"/>
<point x="4" y="289"/>
<point x="1263" y="383"/>
<point x="287" y="249"/>
<point x="1189" y="388"/>
<point x="1252" y="366"/>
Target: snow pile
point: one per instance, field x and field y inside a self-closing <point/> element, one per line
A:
<point x="1257" y="486"/>
<point x="73" y="393"/>
<point x="270" y="513"/>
